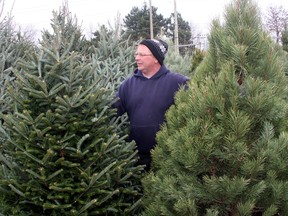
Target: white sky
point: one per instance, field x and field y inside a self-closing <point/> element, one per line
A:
<point x="37" y="14"/>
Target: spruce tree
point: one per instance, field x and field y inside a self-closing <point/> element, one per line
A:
<point x="178" y="62"/>
<point x="63" y="152"/>
<point x="115" y="56"/>
<point x="224" y="148"/>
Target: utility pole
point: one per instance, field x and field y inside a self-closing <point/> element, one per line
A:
<point x="176" y="40"/>
<point x="151" y="20"/>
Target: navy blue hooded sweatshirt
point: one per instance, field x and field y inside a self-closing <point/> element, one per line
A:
<point x="146" y="102"/>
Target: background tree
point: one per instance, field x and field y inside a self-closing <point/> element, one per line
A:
<point x="63" y="152"/>
<point x="224" y="147"/>
<point x="177" y="62"/>
<point x="184" y="32"/>
<point x="276" y="20"/>
<point x="137" y="23"/>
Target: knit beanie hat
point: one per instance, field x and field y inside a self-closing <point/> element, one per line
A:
<point x="157" y="47"/>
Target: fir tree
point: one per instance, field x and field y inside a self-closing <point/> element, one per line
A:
<point x="63" y="153"/>
<point x="70" y="30"/>
<point x="13" y="45"/>
<point x="224" y="148"/>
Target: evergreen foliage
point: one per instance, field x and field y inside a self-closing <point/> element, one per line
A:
<point x="137" y="23"/>
<point x="13" y="45"/>
<point x="197" y="58"/>
<point x="137" y="26"/>
<point x="184" y="31"/>
<point x="115" y="57"/>
<point x="69" y="30"/>
<point x="224" y="148"/>
<point x="177" y="62"/>
<point x="284" y="39"/>
<point x="115" y="60"/>
<point x="63" y="152"/>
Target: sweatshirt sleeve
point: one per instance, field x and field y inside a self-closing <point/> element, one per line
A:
<point x="119" y="103"/>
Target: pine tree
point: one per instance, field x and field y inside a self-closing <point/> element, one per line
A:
<point x="198" y="57"/>
<point x="224" y="148"/>
<point x="284" y="40"/>
<point x="63" y="152"/>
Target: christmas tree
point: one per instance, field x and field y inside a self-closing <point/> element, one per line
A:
<point x="13" y="45"/>
<point x="224" y="148"/>
<point x="115" y="56"/>
<point x="63" y="152"/>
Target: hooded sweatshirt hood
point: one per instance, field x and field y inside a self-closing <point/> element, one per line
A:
<point x="162" y="71"/>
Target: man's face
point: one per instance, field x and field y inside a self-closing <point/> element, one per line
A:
<point x="144" y="58"/>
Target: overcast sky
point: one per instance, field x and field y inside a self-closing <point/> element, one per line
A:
<point x="37" y="14"/>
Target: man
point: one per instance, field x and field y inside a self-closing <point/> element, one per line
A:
<point x="147" y="95"/>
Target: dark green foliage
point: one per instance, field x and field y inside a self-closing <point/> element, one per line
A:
<point x="284" y="40"/>
<point x="197" y="58"/>
<point x="184" y="32"/>
<point x="63" y="152"/>
<point x="137" y="23"/>
<point x="137" y="26"/>
<point x="224" y="148"/>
